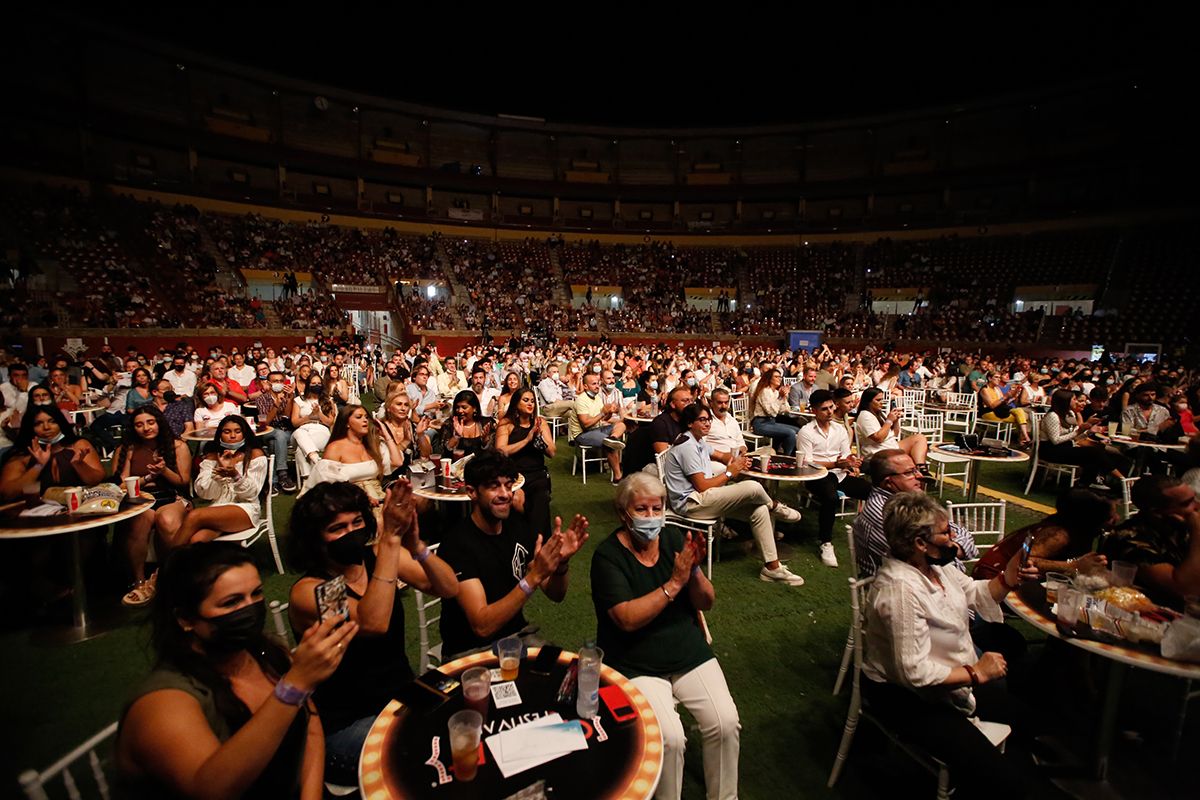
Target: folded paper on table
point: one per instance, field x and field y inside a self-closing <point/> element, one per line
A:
<point x="534" y="743"/>
<point x="47" y="509"/>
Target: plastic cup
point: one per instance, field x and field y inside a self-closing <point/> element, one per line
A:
<point x="1055" y="582"/>
<point x="1112" y="429"/>
<point x="509" y="650"/>
<point x="1122" y="573"/>
<point x="1070" y="603"/>
<point x="466" y="727"/>
<point x="477" y="683"/>
<point x="132" y="489"/>
<point x="764" y="463"/>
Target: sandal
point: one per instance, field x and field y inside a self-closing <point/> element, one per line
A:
<point x="141" y="593"/>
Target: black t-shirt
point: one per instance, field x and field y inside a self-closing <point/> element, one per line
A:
<point x="371" y="673"/>
<point x="639" y="450"/>
<point x="498" y="562"/>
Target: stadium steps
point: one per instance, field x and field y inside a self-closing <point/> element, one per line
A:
<point x="459" y="298"/>
<point x="227" y="278"/>
<point x="561" y="290"/>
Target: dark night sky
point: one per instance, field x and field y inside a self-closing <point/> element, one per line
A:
<point x="635" y="70"/>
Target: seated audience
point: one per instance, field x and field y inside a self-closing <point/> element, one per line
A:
<point x="150" y="451"/>
<point x="330" y="531"/>
<point x="1062" y="541"/>
<point x="47" y="453"/>
<point x="499" y="561"/>
<point x="552" y="393"/>
<point x="1162" y="538"/>
<point x="225" y="711"/>
<point x="921" y="672"/>
<point x="356" y="454"/>
<point x="274" y="405"/>
<point x="396" y="425"/>
<point x="767" y="406"/>
<point x="1066" y="438"/>
<point x="233" y="475"/>
<point x="998" y="404"/>
<point x="212" y="407"/>
<point x="877" y="431"/>
<point x="471" y="432"/>
<point x="824" y="444"/>
<point x="313" y="414"/>
<point x="696" y="490"/>
<point x="588" y="426"/>
<point x="525" y="438"/>
<point x="649" y="590"/>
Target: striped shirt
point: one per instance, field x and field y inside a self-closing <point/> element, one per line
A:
<point x="870" y="542"/>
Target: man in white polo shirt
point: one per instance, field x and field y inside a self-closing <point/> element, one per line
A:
<point x="725" y="435"/>
<point x="825" y="443"/>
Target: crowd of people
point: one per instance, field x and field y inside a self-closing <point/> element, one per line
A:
<point x="219" y="677"/>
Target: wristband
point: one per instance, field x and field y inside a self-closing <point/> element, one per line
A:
<point x="971" y="671"/>
<point x="697" y="571"/>
<point x="385" y="580"/>
<point x="525" y="587"/>
<point x="423" y="556"/>
<point x="290" y="695"/>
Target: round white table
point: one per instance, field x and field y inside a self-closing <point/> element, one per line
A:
<point x="954" y="451"/>
<point x="809" y="472"/>
<point x="1029" y="604"/>
<point x="14" y="526"/>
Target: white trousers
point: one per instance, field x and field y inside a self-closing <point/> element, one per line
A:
<point x="705" y="695"/>
<point x="310" y="437"/>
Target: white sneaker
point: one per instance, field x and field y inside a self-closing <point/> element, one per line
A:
<point x="828" y="557"/>
<point x="780" y="574"/>
<point x="614" y="444"/>
<point x="785" y="513"/>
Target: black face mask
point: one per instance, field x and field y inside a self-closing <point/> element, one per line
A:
<point x="180" y="367"/>
<point x="351" y="548"/>
<point x="170" y="396"/>
<point x="940" y="556"/>
<point x="237" y="629"/>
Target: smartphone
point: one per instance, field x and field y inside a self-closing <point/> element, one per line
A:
<point x="617" y="703"/>
<point x="1026" y="546"/>
<point x="331" y="599"/>
<point x="546" y="659"/>
<point x="420" y="698"/>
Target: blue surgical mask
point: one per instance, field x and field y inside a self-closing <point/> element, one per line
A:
<point x="233" y="445"/>
<point x="691" y="381"/>
<point x="646" y="529"/>
<point x="55" y="440"/>
<point x="653" y="384"/>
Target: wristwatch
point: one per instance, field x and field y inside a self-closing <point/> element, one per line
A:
<point x="728" y="474"/>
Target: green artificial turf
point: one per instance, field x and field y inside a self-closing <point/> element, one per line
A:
<point x="779" y="648"/>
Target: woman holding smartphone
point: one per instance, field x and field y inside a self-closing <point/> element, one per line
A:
<point x="225" y="711"/>
<point x="330" y="532"/>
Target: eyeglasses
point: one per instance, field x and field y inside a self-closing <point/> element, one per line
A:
<point x="908" y="473"/>
<point x="703" y="419"/>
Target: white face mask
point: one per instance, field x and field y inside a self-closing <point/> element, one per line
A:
<point x="276" y="387"/>
<point x="210" y="399"/>
<point x="596" y="369"/>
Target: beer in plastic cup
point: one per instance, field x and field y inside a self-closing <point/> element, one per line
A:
<point x="509" y="649"/>
<point x="465" y="729"/>
<point x="477" y="683"/>
<point x="132" y="486"/>
<point x="1112" y="429"/>
<point x="764" y="463"/>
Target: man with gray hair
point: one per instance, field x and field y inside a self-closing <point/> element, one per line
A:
<point x="892" y="471"/>
<point x="725" y="435"/>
